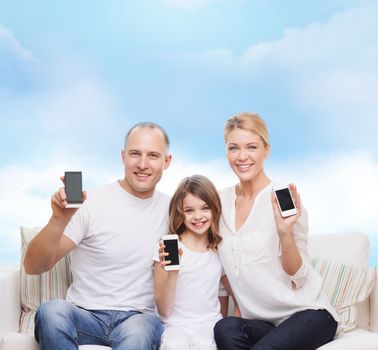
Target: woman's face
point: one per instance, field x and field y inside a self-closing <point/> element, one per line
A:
<point x="245" y="154"/>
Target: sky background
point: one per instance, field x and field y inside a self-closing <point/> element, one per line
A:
<point x="75" y="75"/>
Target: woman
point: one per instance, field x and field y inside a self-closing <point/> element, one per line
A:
<point x="265" y="256"/>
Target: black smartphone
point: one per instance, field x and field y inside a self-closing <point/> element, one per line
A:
<point x="171" y="247"/>
<point x="73" y="182"/>
<point x="285" y="201"/>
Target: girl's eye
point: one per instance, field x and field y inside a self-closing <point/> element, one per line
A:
<point x="188" y="210"/>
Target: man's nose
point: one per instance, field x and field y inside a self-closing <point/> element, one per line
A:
<point x="143" y="162"/>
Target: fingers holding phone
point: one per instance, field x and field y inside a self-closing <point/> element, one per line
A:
<point x="169" y="253"/>
<point x="286" y="206"/>
<point x="69" y="198"/>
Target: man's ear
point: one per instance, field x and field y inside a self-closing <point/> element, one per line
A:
<point x="123" y="156"/>
<point x="167" y="161"/>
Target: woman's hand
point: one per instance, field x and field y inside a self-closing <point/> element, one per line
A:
<point x="291" y="259"/>
<point x="285" y="225"/>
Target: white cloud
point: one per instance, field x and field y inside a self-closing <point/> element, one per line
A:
<point x="339" y="191"/>
<point x="66" y="100"/>
<point x="217" y="170"/>
<point x="342" y="184"/>
<point x="25" y="192"/>
<point x="9" y="44"/>
<point x="18" y="66"/>
<point x="329" y="71"/>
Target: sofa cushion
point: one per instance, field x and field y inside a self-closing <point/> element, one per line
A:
<point x="355" y="248"/>
<point x="17" y="341"/>
<point x="345" y="285"/>
<point x="37" y="289"/>
<point x="358" y="338"/>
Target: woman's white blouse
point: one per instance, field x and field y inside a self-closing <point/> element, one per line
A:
<point x="251" y="258"/>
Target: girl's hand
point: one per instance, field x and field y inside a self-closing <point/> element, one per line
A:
<point x="163" y="255"/>
<point x="285" y="225"/>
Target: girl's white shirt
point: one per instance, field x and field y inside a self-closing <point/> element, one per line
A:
<point x="251" y="259"/>
<point x="197" y="288"/>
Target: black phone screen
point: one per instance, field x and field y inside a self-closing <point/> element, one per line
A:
<point x="171" y="247"/>
<point x="284" y="198"/>
<point x="73" y="186"/>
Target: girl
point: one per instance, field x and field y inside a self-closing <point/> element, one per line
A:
<point x="187" y="299"/>
<point x="265" y="256"/>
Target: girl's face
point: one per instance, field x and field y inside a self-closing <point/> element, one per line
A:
<point x="197" y="213"/>
<point x="245" y="154"/>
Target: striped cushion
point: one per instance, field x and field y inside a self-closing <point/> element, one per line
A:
<point x="345" y="285"/>
<point x="36" y="289"/>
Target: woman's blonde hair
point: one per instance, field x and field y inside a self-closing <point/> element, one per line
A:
<point x="202" y="188"/>
<point x="250" y="122"/>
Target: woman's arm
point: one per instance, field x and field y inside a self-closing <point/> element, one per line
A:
<point x="165" y="284"/>
<point x="291" y="259"/>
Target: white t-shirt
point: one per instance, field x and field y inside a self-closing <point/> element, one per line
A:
<point x="251" y="258"/>
<point x="197" y="288"/>
<point x="115" y="235"/>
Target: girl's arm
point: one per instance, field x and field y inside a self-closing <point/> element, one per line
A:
<point x="165" y="284"/>
<point x="227" y="285"/>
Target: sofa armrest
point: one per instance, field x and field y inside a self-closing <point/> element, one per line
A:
<point x="10" y="304"/>
<point x="374" y="305"/>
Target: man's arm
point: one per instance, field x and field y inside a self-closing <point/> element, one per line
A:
<point x="50" y="245"/>
<point x="47" y="248"/>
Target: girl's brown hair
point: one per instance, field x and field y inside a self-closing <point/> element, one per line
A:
<point x="202" y="188"/>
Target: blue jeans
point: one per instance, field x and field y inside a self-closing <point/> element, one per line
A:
<point x="59" y="325"/>
<point x="305" y="330"/>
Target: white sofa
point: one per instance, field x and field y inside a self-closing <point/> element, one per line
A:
<point x="350" y="249"/>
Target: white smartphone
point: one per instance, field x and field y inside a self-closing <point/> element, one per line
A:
<point x="171" y="247"/>
<point x="285" y="201"/>
<point x="73" y="184"/>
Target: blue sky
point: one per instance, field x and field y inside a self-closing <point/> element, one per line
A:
<point x="74" y="76"/>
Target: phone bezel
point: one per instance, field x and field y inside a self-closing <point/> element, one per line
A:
<point x="289" y="212"/>
<point x="74" y="204"/>
<point x="169" y="238"/>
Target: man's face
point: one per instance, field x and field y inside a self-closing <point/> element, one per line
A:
<point x="145" y="158"/>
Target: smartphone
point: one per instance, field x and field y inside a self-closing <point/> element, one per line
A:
<point x="285" y="201"/>
<point x="171" y="247"/>
<point x="74" y="188"/>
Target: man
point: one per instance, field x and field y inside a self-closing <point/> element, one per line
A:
<point x="111" y="239"/>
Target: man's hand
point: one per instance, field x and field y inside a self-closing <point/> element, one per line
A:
<point x="58" y="205"/>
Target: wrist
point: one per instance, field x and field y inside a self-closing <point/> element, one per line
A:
<point x="58" y="223"/>
<point x="287" y="239"/>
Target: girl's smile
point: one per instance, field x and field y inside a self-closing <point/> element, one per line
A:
<point x="197" y="214"/>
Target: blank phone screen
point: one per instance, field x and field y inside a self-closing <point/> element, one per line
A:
<point x="284" y="198"/>
<point x="171" y="247"/>
<point x="73" y="186"/>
